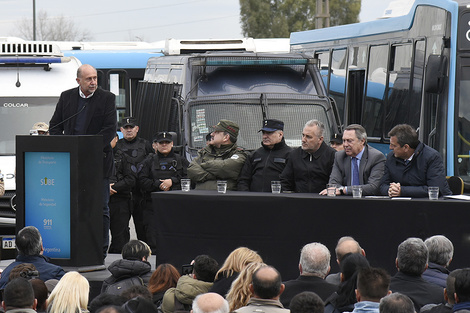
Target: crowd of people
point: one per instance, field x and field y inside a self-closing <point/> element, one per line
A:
<point x="422" y="283"/>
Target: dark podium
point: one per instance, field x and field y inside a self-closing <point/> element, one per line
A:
<point x="59" y="191"/>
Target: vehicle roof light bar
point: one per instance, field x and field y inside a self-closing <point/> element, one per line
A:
<point x="33" y="60"/>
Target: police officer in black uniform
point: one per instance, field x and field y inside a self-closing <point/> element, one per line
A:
<point x="161" y="171"/>
<point x="266" y="163"/>
<point x="130" y="152"/>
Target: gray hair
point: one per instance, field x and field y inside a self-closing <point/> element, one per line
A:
<point x="359" y="130"/>
<point x="320" y="126"/>
<point x="412" y="256"/>
<point x="197" y="309"/>
<point x="441" y="250"/>
<point x="315" y="259"/>
<point x="29" y="241"/>
<point x="396" y="303"/>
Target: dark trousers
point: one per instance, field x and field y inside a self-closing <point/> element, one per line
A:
<point x="120" y="216"/>
<point x="106" y="219"/>
<point x="138" y="206"/>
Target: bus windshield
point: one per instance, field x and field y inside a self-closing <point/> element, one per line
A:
<point x="17" y="116"/>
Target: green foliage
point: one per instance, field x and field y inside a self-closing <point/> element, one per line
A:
<point x="278" y="18"/>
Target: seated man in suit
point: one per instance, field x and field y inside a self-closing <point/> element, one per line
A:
<point x="358" y="164"/>
<point x="412" y="166"/>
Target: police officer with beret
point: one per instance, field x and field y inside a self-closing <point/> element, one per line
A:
<point x="161" y="171"/>
<point x="266" y="163"/>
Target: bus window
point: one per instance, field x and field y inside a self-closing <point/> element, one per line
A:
<point x="375" y="89"/>
<point x="324" y="58"/>
<point x="417" y="84"/>
<point x="463" y="126"/>
<point x="119" y="86"/>
<point x="338" y="78"/>
<point x="399" y="109"/>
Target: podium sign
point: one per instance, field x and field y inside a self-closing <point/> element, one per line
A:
<point x="59" y="191"/>
<point x="47" y="199"/>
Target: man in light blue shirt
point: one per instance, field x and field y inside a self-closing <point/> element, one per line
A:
<point x="372" y="285"/>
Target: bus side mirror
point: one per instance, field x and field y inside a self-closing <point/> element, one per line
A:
<point x="436" y="70"/>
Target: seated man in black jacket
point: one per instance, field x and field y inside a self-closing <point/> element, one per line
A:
<point x="266" y="163"/>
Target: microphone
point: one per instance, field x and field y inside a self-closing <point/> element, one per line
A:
<point x="68" y="118"/>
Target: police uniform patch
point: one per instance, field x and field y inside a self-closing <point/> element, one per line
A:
<point x="235" y="156"/>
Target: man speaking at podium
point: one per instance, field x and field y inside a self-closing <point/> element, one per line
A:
<point x="88" y="110"/>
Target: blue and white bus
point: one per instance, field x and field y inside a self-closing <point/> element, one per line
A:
<point x="412" y="69"/>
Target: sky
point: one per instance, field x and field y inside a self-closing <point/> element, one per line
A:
<point x="147" y="20"/>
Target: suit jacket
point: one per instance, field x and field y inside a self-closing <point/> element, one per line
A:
<point x="371" y="169"/>
<point x="100" y="119"/>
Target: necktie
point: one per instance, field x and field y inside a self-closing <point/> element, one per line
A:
<point x="355" y="172"/>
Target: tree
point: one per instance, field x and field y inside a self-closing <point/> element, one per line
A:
<point x="278" y="18"/>
<point x="55" y="29"/>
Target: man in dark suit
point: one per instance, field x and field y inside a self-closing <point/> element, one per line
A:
<point x="358" y="164"/>
<point x="314" y="265"/>
<point x="87" y="110"/>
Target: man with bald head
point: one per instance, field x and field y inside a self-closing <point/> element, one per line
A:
<point x="314" y="265"/>
<point x="345" y="245"/>
<point x="89" y="110"/>
<point x="266" y="288"/>
<point x="210" y="302"/>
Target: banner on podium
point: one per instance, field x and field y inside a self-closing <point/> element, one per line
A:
<point x="47" y="200"/>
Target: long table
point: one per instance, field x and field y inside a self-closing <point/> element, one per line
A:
<point x="278" y="225"/>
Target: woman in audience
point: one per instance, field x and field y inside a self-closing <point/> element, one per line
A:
<point x="343" y="300"/>
<point x="165" y="277"/>
<point x="70" y="295"/>
<point x="233" y="265"/>
<point x="240" y="293"/>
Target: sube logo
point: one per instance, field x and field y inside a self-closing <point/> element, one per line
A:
<point x="47" y="181"/>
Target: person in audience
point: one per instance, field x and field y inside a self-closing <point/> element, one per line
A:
<point x="314" y="265"/>
<point x="441" y="251"/>
<point x="110" y="309"/>
<point x="449" y="296"/>
<point x="41" y="294"/>
<point x="462" y="291"/>
<point x="396" y="303"/>
<point x="139" y="300"/>
<point x="134" y="263"/>
<point x="240" y="292"/>
<point x="344" y="299"/>
<point x="25" y="270"/>
<point x="163" y="278"/>
<point x="307" y="302"/>
<point x="210" y="303"/>
<point x="189" y="286"/>
<point x="70" y="295"/>
<point x="30" y="250"/>
<point x="266" y="289"/>
<point x="345" y="245"/>
<point x="372" y="285"/>
<point x="411" y="261"/>
<point x="233" y="265"/>
<point x="106" y="300"/>
<point x="18" y="296"/>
